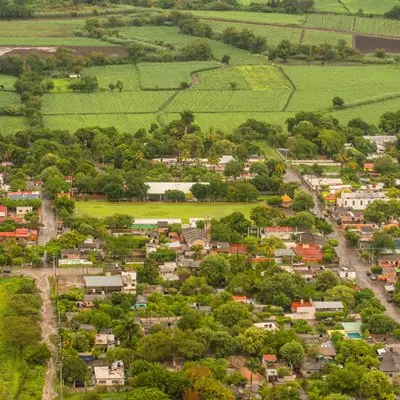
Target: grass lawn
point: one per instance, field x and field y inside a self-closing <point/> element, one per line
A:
<point x="10" y="125"/>
<point x="14" y="385"/>
<point x="329" y="21"/>
<point x="329" y="6"/>
<point x="316" y="85"/>
<point x="317" y="37"/>
<point x="163" y="210"/>
<point x="370" y="6"/>
<point x="51" y="41"/>
<point x="7" y="81"/>
<point x="7" y="98"/>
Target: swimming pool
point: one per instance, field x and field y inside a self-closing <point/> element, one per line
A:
<point x="354" y="335"/>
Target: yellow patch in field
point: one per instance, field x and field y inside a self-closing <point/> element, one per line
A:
<point x="264" y="77"/>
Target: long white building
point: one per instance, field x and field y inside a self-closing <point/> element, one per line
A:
<point x="359" y="200"/>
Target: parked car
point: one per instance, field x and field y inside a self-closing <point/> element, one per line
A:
<point x="373" y="277"/>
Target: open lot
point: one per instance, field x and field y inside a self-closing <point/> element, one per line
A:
<point x="163" y="210"/>
<point x="15" y="382"/>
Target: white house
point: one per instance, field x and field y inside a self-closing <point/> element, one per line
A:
<point x="318" y="183"/>
<point x="110" y="376"/>
<point x="21" y="211"/>
<point x="346" y="273"/>
<point x="157" y="189"/>
<point x="359" y="200"/>
<point x="268" y="326"/>
<point x="129" y="281"/>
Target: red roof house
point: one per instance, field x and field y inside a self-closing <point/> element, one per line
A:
<point x="240" y="299"/>
<point x="3" y="211"/>
<point x="298" y="305"/>
<point x="309" y="252"/>
<point x="368" y="167"/>
<point x="269" y="358"/>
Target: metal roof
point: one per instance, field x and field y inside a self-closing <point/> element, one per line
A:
<point x="103" y="281"/>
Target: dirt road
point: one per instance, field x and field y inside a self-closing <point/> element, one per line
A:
<point x="49" y="228"/>
<point x="348" y="257"/>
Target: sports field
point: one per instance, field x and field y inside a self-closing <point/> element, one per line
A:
<point x="163" y="210"/>
<point x="15" y="381"/>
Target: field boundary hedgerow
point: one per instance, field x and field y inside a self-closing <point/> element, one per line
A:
<point x="293" y="86"/>
<point x="302" y="34"/>
<point x="344" y="6"/>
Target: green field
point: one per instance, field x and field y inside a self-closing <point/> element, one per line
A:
<point x="317" y="37"/>
<point x="170" y="75"/>
<point x="316" y="85"/>
<point x="104" y="102"/>
<point x="328" y="21"/>
<point x="129" y="123"/>
<point x="329" y="6"/>
<point x="243" y="16"/>
<point x="163" y="210"/>
<point x="11" y="124"/>
<point x="7" y="98"/>
<point x="379" y="26"/>
<point x="111" y="73"/>
<point x="7" y="82"/>
<point x="51" y="41"/>
<point x="13" y="384"/>
<point x="370" y="6"/>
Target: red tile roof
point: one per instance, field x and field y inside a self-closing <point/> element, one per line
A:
<point x="269" y="357"/>
<point x="238" y="248"/>
<point x="299" y="304"/>
<point x="3" y="208"/>
<point x="20" y="233"/>
<point x="309" y="252"/>
<point x="278" y="229"/>
<point x="239" y="298"/>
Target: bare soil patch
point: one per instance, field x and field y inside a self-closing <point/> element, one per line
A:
<point x="368" y="44"/>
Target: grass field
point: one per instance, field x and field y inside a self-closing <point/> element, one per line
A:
<point x="111" y="73"/>
<point x="170" y="34"/>
<point x="317" y="37"/>
<point x="10" y="125"/>
<point x="378" y="26"/>
<point x="352" y="83"/>
<point x="51" y="41"/>
<point x="329" y="6"/>
<point x="7" y="98"/>
<point x="243" y="16"/>
<point x="221" y="79"/>
<point x="328" y="21"/>
<point x="7" y="82"/>
<point x="170" y="75"/>
<point x="163" y="210"/>
<point x="370" y="6"/>
<point x="13" y="384"/>
<point x="104" y="102"/>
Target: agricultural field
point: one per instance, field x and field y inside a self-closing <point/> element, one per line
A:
<point x="352" y="83"/>
<point x="329" y="6"/>
<point x="273" y="34"/>
<point x="163" y="35"/>
<point x="15" y="382"/>
<point x="170" y="75"/>
<point x="230" y="101"/>
<point x="7" y="82"/>
<point x="317" y="37"/>
<point x="10" y="125"/>
<point x="7" y="98"/>
<point x="378" y="7"/>
<point x="123" y="122"/>
<point x="328" y="21"/>
<point x="163" y="210"/>
<point x="243" y="16"/>
<point x="379" y="26"/>
<point x="52" y="41"/>
<point x="104" y="102"/>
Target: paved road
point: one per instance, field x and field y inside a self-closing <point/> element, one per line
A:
<point x="349" y="257"/>
<point x="49" y="228"/>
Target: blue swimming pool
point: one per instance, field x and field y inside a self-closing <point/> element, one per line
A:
<point x="354" y="335"/>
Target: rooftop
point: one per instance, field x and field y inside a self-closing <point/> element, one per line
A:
<point x="358" y="194"/>
<point x="103" y="281"/>
<point x="328" y="304"/>
<point x="162" y="187"/>
<point x="269" y="357"/>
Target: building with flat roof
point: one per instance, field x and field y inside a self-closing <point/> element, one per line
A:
<point x="103" y="283"/>
<point x="114" y="375"/>
<point x="157" y="189"/>
<point x="359" y="200"/>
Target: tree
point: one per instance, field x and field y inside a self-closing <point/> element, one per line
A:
<point x="287" y="391"/>
<point x="119" y="85"/>
<point x="376" y="385"/>
<point x="211" y="389"/>
<point x="233" y="169"/>
<point x="326" y="280"/>
<point x="147" y="394"/>
<point x="382" y="241"/>
<point x="265" y="216"/>
<point x="215" y="269"/>
<point x="100" y="320"/>
<point x="200" y="191"/>
<point x="148" y="273"/>
<point x="242" y="191"/>
<point x="379" y="323"/>
<point x="225" y="59"/>
<point x="337" y="102"/>
<point x="231" y="313"/>
<point x="20" y="331"/>
<point x="176" y="196"/>
<point x="254" y="341"/>
<point x="119" y="221"/>
<point x="341" y="293"/>
<point x="111" y="86"/>
<point x="114" y="191"/>
<point x="187" y="119"/>
<point x="302" y="201"/>
<point x="74" y="368"/>
<point x="37" y="354"/>
<point x="384" y="164"/>
<point x="293" y="353"/>
<point x="55" y="184"/>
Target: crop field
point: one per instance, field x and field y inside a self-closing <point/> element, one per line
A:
<point x="163" y="35"/>
<point x="352" y="83"/>
<point x="104" y="102"/>
<point x="273" y="34"/>
<point x="7" y="98"/>
<point x="243" y="16"/>
<point x="7" y="82"/>
<point x="163" y="210"/>
<point x="329" y="6"/>
<point x="378" y="26"/>
<point x="329" y="21"/>
<point x="221" y="79"/>
<point x="170" y="75"/>
<point x="13" y="384"/>
<point x="52" y="41"/>
<point x="230" y="101"/>
<point x="370" y="6"/>
<point x="111" y="73"/>
<point x="10" y="125"/>
<point x="317" y="37"/>
<point x="129" y="123"/>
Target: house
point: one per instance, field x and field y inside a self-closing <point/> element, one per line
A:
<point x="104" y="340"/>
<point x="389" y="261"/>
<point x="368" y="167"/>
<point x="101" y="284"/>
<point x="328" y="306"/>
<point x="359" y="200"/>
<point x="168" y="271"/>
<point x="129" y="281"/>
<point x="141" y="302"/>
<point x="3" y="211"/>
<point x="312" y="366"/>
<point x="21" y="235"/>
<point x="390" y="365"/>
<point x="303" y="310"/>
<point x="349" y="217"/>
<point x="309" y="252"/>
<point x="70" y="254"/>
<point x="146" y="323"/>
<point x="268" y="326"/>
<point x="157" y="190"/>
<point x="194" y="236"/>
<point x="346" y="273"/>
<point x="317" y="184"/>
<point x="286" y="201"/>
<point x="327" y="350"/>
<point x="21" y="211"/>
<point x="26" y="195"/>
<point x="281" y="232"/>
<point x="89" y="244"/>
<point x="110" y="376"/>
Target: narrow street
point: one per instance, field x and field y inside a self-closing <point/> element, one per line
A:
<point x="49" y="228"/>
<point x="348" y="257"/>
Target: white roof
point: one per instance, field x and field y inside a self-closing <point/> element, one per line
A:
<point x="328" y="304"/>
<point x="363" y="195"/>
<point x="152" y="221"/>
<point x="108" y="373"/>
<point x="162" y="187"/>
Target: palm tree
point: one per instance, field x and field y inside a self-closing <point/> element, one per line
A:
<point x="280" y="167"/>
<point x="213" y="159"/>
<point x="187" y="118"/>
